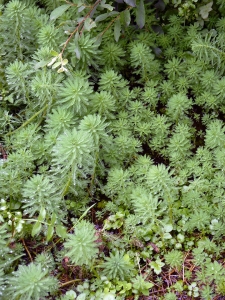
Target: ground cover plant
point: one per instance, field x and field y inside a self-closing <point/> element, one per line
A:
<point x="112" y="149"/>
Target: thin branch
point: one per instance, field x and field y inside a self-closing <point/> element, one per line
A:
<point x="69" y="282"/>
<point x="28" y="252"/>
<point x="78" y="26"/>
<point x="28" y="121"/>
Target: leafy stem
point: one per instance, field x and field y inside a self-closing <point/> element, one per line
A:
<point x="29" y="120"/>
<point x="79" y="25"/>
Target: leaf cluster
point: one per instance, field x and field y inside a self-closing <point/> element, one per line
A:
<point x="111" y="156"/>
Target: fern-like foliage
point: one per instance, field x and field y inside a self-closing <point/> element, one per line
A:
<point x="112" y="56"/>
<point x="26" y="137"/>
<point x="15" y="11"/>
<point x="84" y="52"/>
<point x="75" y="94"/>
<point x="134" y="125"/>
<point x="142" y="60"/>
<point x="103" y="103"/>
<point x="17" y="74"/>
<point x="40" y="192"/>
<point x="215" y="135"/>
<point x="31" y="282"/>
<point x="173" y="68"/>
<point x="8" y="257"/>
<point x="44" y="86"/>
<point x="178" y="106"/>
<point x="179" y="147"/>
<point x="73" y="151"/>
<point x="96" y="127"/>
<point x="174" y="258"/>
<point x="51" y="4"/>
<point x="82" y="246"/>
<point x="48" y="35"/>
<point x="211" y="49"/>
<point x="60" y="120"/>
<point x="111" y="82"/>
<point x="118" y="181"/>
<point x="117" y="266"/>
<point x="145" y="205"/>
<point x="159" y="179"/>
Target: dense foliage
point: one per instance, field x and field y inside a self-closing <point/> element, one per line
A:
<point x="112" y="161"/>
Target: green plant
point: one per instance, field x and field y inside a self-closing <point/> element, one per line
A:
<point x="82" y="245"/>
<point x="174" y="258"/>
<point x="71" y="152"/>
<point x="117" y="266"/>
<point x="140" y="286"/>
<point x="31" y="282"/>
<point x="75" y="94"/>
<point x="170" y="296"/>
<point x="113" y="112"/>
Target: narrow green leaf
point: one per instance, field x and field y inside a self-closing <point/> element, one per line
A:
<point x="98" y="40"/>
<point x="50" y="232"/>
<point x="59" y="11"/>
<point x="117" y="30"/>
<point x="130" y="2"/>
<point x="61" y="231"/>
<point x="77" y="52"/>
<point x="101" y="17"/>
<point x="36" y="228"/>
<point x="107" y="6"/>
<point x="127" y="17"/>
<point x="42" y="214"/>
<point x="106" y="15"/>
<point x="77" y="48"/>
<point x="140" y="14"/>
<point x="81" y="8"/>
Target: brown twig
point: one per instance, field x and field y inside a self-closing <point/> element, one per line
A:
<point x="184" y="266"/>
<point x="28" y="252"/>
<point x="69" y="282"/>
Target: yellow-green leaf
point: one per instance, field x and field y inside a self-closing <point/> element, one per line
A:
<point x="54" y="53"/>
<point x="56" y="65"/>
<point x="64" y="62"/>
